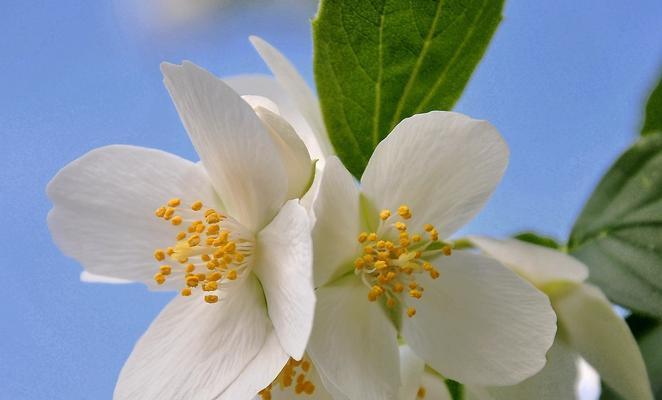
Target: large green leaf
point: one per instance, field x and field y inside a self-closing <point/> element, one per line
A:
<point x="619" y="232"/>
<point x="653" y="117"/>
<point x="380" y="61"/>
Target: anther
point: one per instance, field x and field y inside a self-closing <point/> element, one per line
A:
<point x="159" y="255"/>
<point x="411" y="311"/>
<point x="404" y="211"/>
<point x="159" y="278"/>
<point x="211" y="298"/>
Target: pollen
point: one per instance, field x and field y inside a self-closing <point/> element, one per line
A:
<point x="421" y="393"/>
<point x="392" y="258"/>
<point x="292" y="377"/>
<point x="205" y="240"/>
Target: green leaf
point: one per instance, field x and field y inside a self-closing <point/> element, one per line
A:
<point x="648" y="333"/>
<point x="455" y="389"/>
<point x="534" y="238"/>
<point x="380" y="61"/>
<point x="653" y="117"/>
<point x="619" y="232"/>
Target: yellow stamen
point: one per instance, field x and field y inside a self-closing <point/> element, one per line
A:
<point x="159" y="255"/>
<point x="159" y="278"/>
<point x="292" y="376"/>
<point x="388" y="266"/>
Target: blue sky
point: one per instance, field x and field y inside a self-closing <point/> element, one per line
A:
<point x="563" y="81"/>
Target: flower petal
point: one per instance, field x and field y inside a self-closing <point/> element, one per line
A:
<point x="443" y="165"/>
<point x="266" y="86"/>
<point x="103" y="208"/>
<point x="260" y="372"/>
<point x="537" y="264"/>
<point x="284" y="267"/>
<point x="94" y="278"/>
<point x="435" y="388"/>
<point x="195" y="347"/>
<point x="337" y="224"/>
<point x="479" y="323"/>
<point x="239" y="155"/>
<point x="297" y="89"/>
<point x="411" y="373"/>
<point x="590" y="325"/>
<point x="293" y="151"/>
<point x="557" y="380"/>
<point x="353" y="343"/>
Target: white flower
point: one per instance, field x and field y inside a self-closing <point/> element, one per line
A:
<point x="379" y="260"/>
<point x="588" y="327"/>
<point x="224" y="233"/>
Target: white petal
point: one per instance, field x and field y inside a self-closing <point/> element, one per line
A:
<point x="297" y="89"/>
<point x="435" y="387"/>
<point x="195" y="347"/>
<point x="590" y="325"/>
<point x="261" y="102"/>
<point x="94" y="278"/>
<point x="353" y="342"/>
<point x="330" y="387"/>
<point x="293" y="151"/>
<point x="266" y="86"/>
<point x="103" y="208"/>
<point x="308" y="199"/>
<point x="479" y="323"/>
<point x="337" y="224"/>
<point x="443" y="165"/>
<point x="539" y="265"/>
<point x="284" y="267"/>
<point x="411" y="373"/>
<point x="260" y="372"/>
<point x="239" y="155"/>
<point x="556" y="381"/>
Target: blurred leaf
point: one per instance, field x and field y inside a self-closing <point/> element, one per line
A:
<point x="532" y="237"/>
<point x="653" y="117"/>
<point x="648" y="333"/>
<point x="378" y="62"/>
<point x="619" y="232"/>
<point x="455" y="389"/>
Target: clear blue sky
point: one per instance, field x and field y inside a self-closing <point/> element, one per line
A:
<point x="564" y="81"/>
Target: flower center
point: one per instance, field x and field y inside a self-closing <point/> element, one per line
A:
<point x="213" y="249"/>
<point x="389" y="268"/>
<point x="293" y="375"/>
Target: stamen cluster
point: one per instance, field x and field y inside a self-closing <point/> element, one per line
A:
<point x="213" y="249"/>
<point x="389" y="267"/>
<point x="294" y="373"/>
